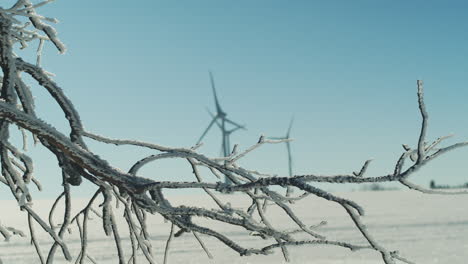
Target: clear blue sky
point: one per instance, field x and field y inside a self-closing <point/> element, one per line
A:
<point x="346" y="70"/>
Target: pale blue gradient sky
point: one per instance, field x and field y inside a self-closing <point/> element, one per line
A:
<point x="346" y="70"/>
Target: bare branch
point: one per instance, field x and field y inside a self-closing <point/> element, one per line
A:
<point x="142" y="196"/>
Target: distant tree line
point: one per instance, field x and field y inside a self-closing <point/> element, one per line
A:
<point x="377" y="187"/>
<point x="433" y="185"/>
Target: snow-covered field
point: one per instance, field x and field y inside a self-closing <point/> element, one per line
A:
<point x="423" y="228"/>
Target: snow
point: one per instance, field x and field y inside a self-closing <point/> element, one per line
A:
<point x="423" y="228"/>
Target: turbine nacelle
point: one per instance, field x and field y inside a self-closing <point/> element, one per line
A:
<point x="221" y="120"/>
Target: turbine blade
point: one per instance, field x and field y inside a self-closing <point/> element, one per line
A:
<point x="235" y="124"/>
<point x="213" y="87"/>
<point x="206" y="130"/>
<point x="234" y="129"/>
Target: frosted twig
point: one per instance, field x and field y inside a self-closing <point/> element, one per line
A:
<point x="262" y="140"/>
<point x="424" y="115"/>
<point x="363" y="169"/>
<point x="202" y="245"/>
<point x="51" y="212"/>
<point x="34" y="240"/>
<point x="315" y="242"/>
<point x="168" y="243"/>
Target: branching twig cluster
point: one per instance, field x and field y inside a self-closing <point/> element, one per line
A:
<point x="141" y="196"/>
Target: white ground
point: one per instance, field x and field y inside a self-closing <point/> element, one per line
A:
<point x="424" y="228"/>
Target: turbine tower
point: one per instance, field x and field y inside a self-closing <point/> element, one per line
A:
<point x="221" y="120"/>
<point x="288" y="148"/>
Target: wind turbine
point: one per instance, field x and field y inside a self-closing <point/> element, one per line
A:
<point x="288" y="148"/>
<point x="221" y="120"/>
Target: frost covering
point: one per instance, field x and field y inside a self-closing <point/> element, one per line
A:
<point x="21" y="25"/>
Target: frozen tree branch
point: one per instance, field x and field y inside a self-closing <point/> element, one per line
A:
<point x="140" y="196"/>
